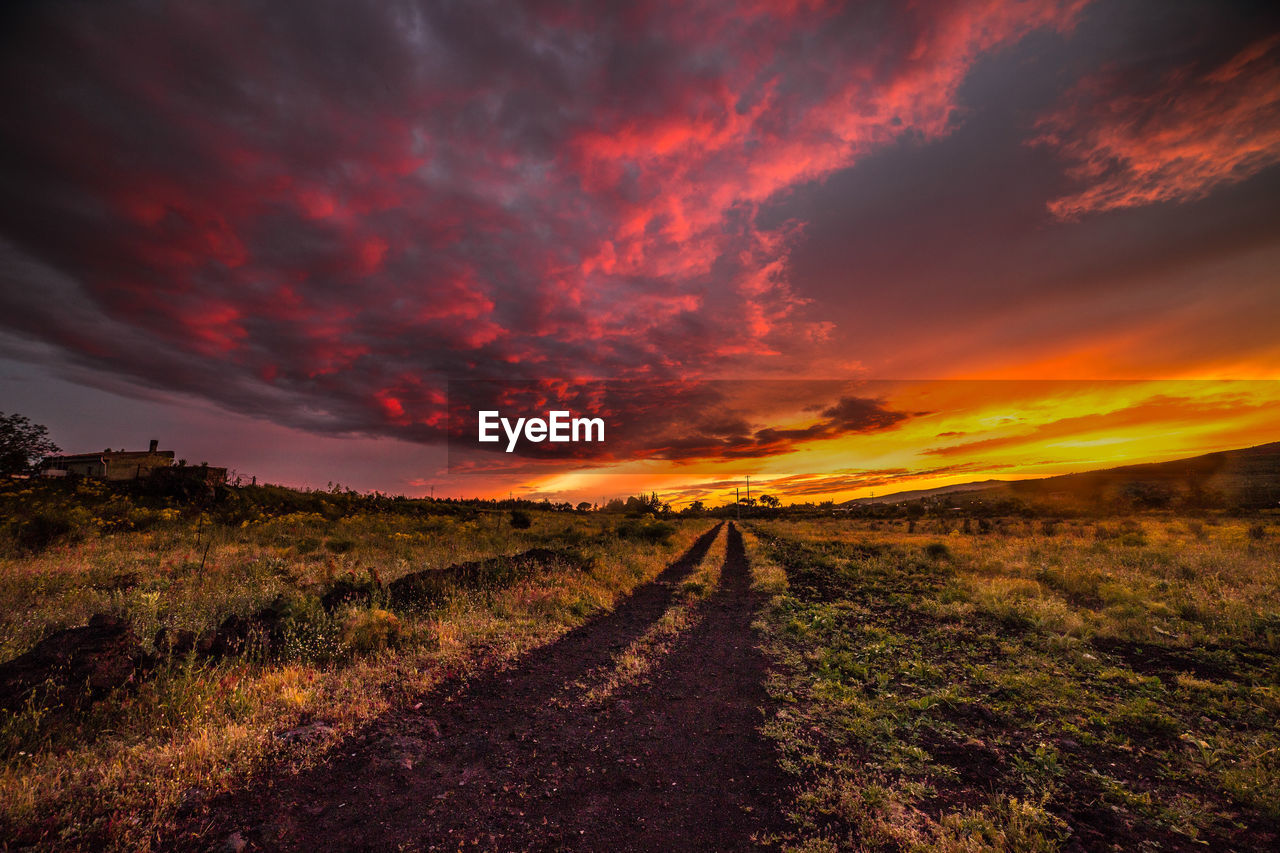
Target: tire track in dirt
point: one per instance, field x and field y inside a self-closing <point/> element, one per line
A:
<point x="676" y="763"/>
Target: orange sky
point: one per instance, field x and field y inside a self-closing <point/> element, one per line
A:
<point x="966" y="431"/>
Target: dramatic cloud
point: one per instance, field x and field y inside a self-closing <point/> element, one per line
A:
<point x="316" y="212"/>
<point x="322" y="214"/>
<point x="1192" y="132"/>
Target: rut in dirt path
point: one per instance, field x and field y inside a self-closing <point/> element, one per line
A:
<point x="676" y="763"/>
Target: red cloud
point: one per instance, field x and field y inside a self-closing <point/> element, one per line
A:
<point x="1194" y="132"/>
<point x="308" y="205"/>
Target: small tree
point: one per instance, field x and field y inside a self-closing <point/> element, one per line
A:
<point x="22" y="444"/>
<point x="770" y="501"/>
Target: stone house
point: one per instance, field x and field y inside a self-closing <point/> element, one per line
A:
<point x="110" y="464"/>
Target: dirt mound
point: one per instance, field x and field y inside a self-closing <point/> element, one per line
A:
<point x="347" y="591"/>
<point x="72" y="668"/>
<point x="261" y="631"/>
<point x="431" y="586"/>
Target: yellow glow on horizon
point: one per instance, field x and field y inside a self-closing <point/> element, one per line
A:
<point x="964" y="431"/>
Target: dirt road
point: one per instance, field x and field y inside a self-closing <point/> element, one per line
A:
<point x="675" y="762"/>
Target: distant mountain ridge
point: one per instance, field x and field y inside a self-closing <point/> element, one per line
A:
<point x="920" y="494"/>
<point x="1248" y="477"/>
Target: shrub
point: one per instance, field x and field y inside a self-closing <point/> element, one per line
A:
<point x="367" y="631"/>
<point x="937" y="551"/>
<point x="520" y="520"/>
<point x="656" y="532"/>
<point x="47" y="528"/>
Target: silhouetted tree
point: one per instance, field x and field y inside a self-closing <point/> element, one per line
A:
<point x="22" y="444"/>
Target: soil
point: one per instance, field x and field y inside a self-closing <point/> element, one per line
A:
<point x="510" y="761"/>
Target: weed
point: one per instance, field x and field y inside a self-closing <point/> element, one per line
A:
<point x="937" y="551"/>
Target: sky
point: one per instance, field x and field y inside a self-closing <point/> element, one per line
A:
<point x="839" y="247"/>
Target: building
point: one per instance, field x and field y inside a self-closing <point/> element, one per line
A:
<point x="110" y="464"/>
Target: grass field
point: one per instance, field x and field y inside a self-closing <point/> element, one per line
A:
<point x="1078" y="685"/>
<point x="116" y="775"/>
<point x="937" y="683"/>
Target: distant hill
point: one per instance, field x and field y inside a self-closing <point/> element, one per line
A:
<point x="920" y="494"/>
<point x="1248" y="478"/>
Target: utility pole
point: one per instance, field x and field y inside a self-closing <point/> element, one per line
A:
<point x="748" y="490"/>
<point x="737" y="501"/>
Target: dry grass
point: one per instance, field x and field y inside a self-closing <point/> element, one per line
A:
<point x="118" y="777"/>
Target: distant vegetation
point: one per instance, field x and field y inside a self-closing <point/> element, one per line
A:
<point x="1235" y="481"/>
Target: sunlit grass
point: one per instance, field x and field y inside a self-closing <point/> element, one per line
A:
<point x="118" y="777"/>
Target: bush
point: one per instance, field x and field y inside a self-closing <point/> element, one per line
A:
<point x="937" y="551"/>
<point x="520" y="520"/>
<point x="656" y="532"/>
<point x="367" y="631"/>
<point x="339" y="545"/>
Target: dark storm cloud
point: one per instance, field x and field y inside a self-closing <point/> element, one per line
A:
<point x="318" y="212"/>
